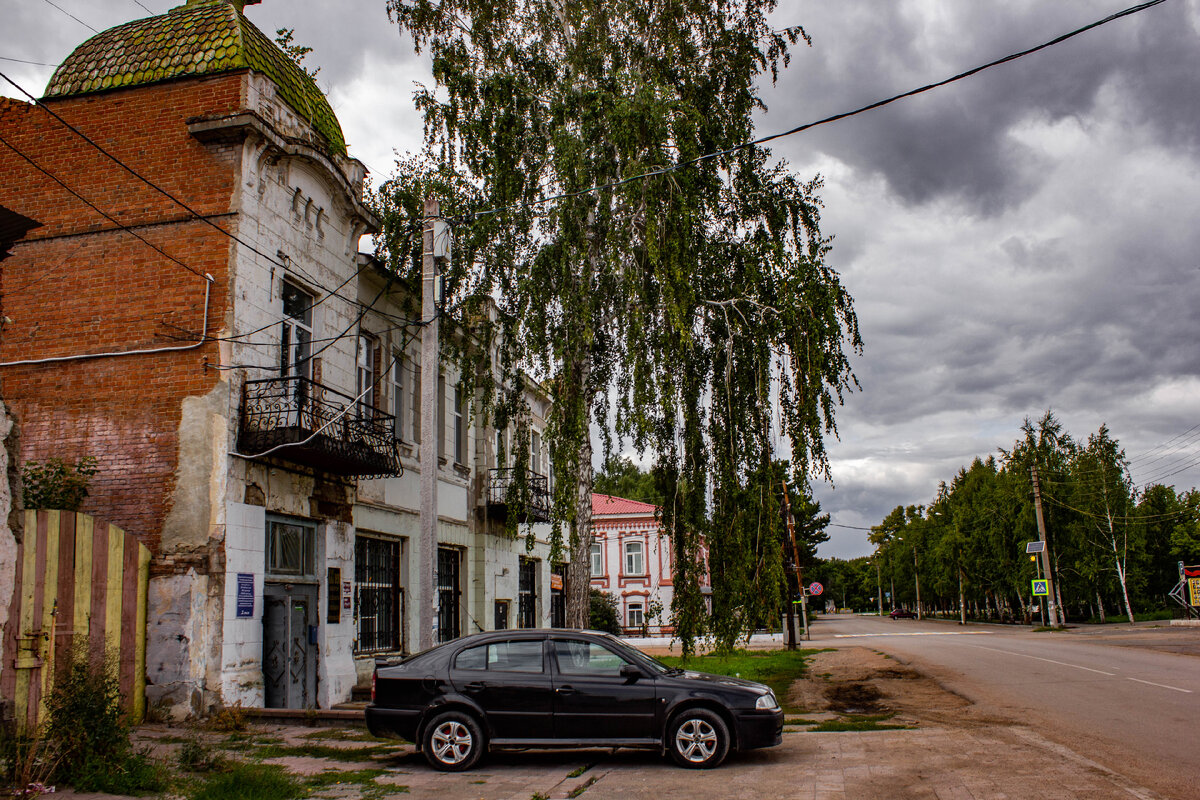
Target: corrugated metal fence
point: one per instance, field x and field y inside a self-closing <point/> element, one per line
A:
<point x="82" y="580"/>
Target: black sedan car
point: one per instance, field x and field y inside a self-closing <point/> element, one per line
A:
<point x="564" y="688"/>
<point x="902" y="613"/>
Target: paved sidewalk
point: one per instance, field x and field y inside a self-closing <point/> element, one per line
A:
<point x="936" y="762"/>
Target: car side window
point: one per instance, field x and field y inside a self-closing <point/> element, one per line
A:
<point x="514" y="657"/>
<point x="472" y="658"/>
<point x="576" y="657"/>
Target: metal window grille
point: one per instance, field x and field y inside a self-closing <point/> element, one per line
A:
<point x="449" y="594"/>
<point x="527" y="594"/>
<point x="379" y="598"/>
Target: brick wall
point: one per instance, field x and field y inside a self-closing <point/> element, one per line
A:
<point x="79" y="284"/>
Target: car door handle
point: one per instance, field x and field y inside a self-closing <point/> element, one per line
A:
<point x="475" y="686"/>
<point x="565" y="690"/>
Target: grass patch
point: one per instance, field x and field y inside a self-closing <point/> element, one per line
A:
<point x="583" y="787"/>
<point x="240" y="739"/>
<point x="1138" y="616"/>
<point x="324" y="751"/>
<point x="250" y="782"/>
<point x="342" y="735"/>
<point x="776" y="668"/>
<point x="855" y="724"/>
<point x="801" y="721"/>
<point x="575" y="773"/>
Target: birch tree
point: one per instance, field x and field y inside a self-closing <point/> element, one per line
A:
<point x="666" y="281"/>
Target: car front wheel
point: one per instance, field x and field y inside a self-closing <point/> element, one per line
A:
<point x="453" y="742"/>
<point x="698" y="739"/>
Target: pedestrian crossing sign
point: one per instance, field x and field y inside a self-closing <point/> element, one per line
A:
<point x="1041" y="588"/>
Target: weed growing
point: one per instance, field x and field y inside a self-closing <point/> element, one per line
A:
<point x="250" y="782"/>
<point x="857" y="724"/>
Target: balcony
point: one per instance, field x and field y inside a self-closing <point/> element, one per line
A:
<point x="503" y="496"/>
<point x="297" y="420"/>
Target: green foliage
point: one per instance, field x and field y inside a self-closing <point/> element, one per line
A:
<point x="874" y="722"/>
<point x="603" y="614"/>
<point x="620" y="477"/>
<point x="296" y="52"/>
<point x="777" y="669"/>
<point x="55" y="483"/>
<point x="195" y="755"/>
<point x="90" y="733"/>
<point x="690" y="311"/>
<point x="24" y="760"/>
<point x="250" y="782"/>
<point x="1108" y="540"/>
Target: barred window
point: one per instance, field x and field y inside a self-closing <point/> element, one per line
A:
<point x="379" y="598"/>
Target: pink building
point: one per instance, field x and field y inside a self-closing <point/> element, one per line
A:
<point x="631" y="559"/>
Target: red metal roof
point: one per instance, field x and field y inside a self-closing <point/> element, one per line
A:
<point x="607" y="504"/>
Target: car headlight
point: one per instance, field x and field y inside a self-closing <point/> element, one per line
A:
<point x="767" y="702"/>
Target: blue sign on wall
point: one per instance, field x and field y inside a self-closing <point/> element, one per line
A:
<point x="245" y="594"/>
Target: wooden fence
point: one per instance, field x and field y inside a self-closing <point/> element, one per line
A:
<point x="79" y="580"/>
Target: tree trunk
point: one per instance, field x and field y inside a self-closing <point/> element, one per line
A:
<point x="579" y="570"/>
<point x="1124" y="588"/>
<point x="1100" y="605"/>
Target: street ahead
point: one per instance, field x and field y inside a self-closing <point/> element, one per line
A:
<point x="1126" y="698"/>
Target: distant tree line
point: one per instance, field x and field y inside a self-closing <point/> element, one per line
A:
<point x="1115" y="547"/>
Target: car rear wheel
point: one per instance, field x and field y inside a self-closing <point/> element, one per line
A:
<point x="698" y="739"/>
<point x="453" y="742"/>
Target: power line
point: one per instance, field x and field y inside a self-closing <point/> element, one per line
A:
<point x="23" y="61"/>
<point x="144" y="179"/>
<point x="101" y="212"/>
<point x="72" y="16"/>
<point x="836" y="117"/>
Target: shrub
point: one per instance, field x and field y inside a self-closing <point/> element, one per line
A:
<point x="603" y="614"/>
<point x="89" y="733"/>
<point x="54" y="483"/>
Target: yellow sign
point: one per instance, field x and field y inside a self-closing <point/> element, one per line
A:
<point x="1194" y="591"/>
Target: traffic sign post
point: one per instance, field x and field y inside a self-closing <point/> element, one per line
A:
<point x="815" y="588"/>
<point x="1041" y="587"/>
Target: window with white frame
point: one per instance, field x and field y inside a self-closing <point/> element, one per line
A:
<point x="535" y="453"/>
<point x="460" y="426"/>
<point x="291" y="547"/>
<point x="367" y="349"/>
<point x="398" y="398"/>
<point x="634" y="564"/>
<point x="597" y="560"/>
<point x="295" y="352"/>
<point x="634" y="615"/>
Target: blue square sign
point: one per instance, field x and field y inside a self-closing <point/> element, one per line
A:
<point x="1041" y="588"/>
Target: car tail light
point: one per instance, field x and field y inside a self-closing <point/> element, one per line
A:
<point x="372" y="687"/>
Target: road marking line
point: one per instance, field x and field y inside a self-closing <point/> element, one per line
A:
<point x="912" y="633"/>
<point x="1162" y="685"/>
<point x="1047" y="660"/>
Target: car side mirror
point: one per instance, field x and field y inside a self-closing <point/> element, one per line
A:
<point x="630" y="673"/>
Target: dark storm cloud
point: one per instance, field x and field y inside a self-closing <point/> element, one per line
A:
<point x="954" y="142"/>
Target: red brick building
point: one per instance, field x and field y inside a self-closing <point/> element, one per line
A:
<point x="193" y="312"/>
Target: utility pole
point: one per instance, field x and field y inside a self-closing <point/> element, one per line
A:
<point x="791" y="526"/>
<point x="427" y="620"/>
<point x="1041" y="524"/>
<point x="917" y="580"/>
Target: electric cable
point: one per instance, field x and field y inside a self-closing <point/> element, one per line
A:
<point x="100" y="211"/>
<point x="72" y="16"/>
<point x="825" y="121"/>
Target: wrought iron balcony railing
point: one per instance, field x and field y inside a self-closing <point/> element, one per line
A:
<point x="308" y="418"/>
<point x="503" y="496"/>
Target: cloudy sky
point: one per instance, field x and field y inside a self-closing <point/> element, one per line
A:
<point x="1021" y="240"/>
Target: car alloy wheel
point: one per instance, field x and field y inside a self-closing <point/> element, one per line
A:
<point x="453" y="742"/>
<point x="699" y="739"/>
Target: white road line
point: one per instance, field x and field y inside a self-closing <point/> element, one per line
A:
<point x="1047" y="660"/>
<point x="1162" y="686"/>
<point x="913" y="633"/>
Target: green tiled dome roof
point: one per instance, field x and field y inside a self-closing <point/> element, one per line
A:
<point x="201" y="38"/>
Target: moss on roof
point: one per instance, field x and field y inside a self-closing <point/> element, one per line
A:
<point x="201" y="38"/>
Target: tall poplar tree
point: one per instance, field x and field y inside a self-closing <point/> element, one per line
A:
<point x="665" y="280"/>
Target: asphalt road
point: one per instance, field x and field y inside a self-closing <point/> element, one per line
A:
<point x="1128" y="698"/>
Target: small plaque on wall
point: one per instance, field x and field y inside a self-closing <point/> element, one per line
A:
<point x="245" y="595"/>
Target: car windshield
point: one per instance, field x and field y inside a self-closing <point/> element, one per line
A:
<point x="637" y="656"/>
